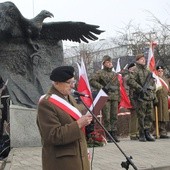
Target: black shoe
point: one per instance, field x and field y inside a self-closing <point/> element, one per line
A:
<point x="116" y="139"/>
<point x="114" y="136"/>
<point x="142" y="138"/>
<point x="134" y="137"/>
<point x="164" y="137"/>
<point x="148" y="136"/>
<point x="109" y="141"/>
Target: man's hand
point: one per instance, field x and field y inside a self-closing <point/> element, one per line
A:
<point x="84" y="120"/>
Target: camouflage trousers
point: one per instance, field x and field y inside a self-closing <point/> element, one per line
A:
<point x="133" y="124"/>
<point x="162" y="128"/>
<point x="109" y="115"/>
<point x="144" y="110"/>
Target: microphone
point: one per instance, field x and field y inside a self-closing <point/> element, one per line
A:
<point x="79" y="94"/>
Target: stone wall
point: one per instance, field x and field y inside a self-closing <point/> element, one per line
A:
<point x="23" y="129"/>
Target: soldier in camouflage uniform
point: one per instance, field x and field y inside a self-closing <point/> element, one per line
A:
<point x="108" y="81"/>
<point x="144" y="86"/>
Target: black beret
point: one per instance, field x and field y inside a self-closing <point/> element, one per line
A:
<point x="62" y="73"/>
<point x="159" y="67"/>
<point x="131" y="65"/>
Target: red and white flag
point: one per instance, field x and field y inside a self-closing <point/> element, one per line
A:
<point x="164" y="84"/>
<point x="118" y="69"/>
<point x="151" y="58"/>
<point x="83" y="85"/>
<point x="124" y="99"/>
<point x="151" y="65"/>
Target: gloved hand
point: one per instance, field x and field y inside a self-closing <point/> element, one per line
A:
<point x="142" y="93"/>
<point x="155" y="102"/>
<point x="150" y="88"/>
<point x="105" y="90"/>
<point x="142" y="90"/>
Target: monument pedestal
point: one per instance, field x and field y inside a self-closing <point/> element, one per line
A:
<point x="23" y="128"/>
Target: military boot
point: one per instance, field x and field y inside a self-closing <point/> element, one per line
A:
<point x="142" y="137"/>
<point x="109" y="140"/>
<point x="114" y="135"/>
<point x="148" y="136"/>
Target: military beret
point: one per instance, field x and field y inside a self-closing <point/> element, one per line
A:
<point x="138" y="56"/>
<point x="106" y="58"/>
<point x="62" y="74"/>
<point x="131" y="65"/>
<point x="159" y="67"/>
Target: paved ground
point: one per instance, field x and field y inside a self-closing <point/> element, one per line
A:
<point x="146" y="155"/>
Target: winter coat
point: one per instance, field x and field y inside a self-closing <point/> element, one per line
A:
<point x="162" y="96"/>
<point x="63" y="142"/>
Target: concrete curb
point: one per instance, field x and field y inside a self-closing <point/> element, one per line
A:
<point x="8" y="162"/>
<point x="160" y="168"/>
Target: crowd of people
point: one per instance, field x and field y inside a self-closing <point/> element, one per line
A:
<point x="62" y="120"/>
<point x="145" y="98"/>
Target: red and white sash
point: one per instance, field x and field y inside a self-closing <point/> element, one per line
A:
<point x="65" y="106"/>
<point x="164" y="84"/>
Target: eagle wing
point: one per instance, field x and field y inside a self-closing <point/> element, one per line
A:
<point x="72" y="31"/>
<point x="10" y="18"/>
<point x="13" y="24"/>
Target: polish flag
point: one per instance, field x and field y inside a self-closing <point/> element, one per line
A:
<point x="151" y="58"/>
<point x="83" y="85"/>
<point x="118" y="69"/>
<point x="151" y="65"/>
<point x="124" y="99"/>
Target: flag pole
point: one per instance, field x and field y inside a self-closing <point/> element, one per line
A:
<point x="156" y="122"/>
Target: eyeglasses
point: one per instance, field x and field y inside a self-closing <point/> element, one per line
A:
<point x="160" y="71"/>
<point x="71" y="82"/>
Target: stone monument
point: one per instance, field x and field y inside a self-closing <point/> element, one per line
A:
<point x="29" y="50"/>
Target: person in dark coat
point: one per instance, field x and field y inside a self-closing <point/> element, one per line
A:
<point x="61" y="125"/>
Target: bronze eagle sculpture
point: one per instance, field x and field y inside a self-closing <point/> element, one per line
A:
<point x="14" y="25"/>
<point x="30" y="49"/>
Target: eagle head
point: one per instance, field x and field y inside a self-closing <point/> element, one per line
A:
<point x="46" y="14"/>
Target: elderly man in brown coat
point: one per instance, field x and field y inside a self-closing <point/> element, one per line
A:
<point x="162" y="95"/>
<point x="61" y="125"/>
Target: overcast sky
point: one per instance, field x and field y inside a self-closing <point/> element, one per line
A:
<point x="110" y="15"/>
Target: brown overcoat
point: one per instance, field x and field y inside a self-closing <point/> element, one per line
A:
<point x="162" y="96"/>
<point x="63" y="142"/>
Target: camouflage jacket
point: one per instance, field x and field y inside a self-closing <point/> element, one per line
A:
<point x="130" y="91"/>
<point x="108" y="79"/>
<point x="137" y="80"/>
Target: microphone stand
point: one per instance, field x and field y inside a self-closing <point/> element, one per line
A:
<point x="124" y="164"/>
